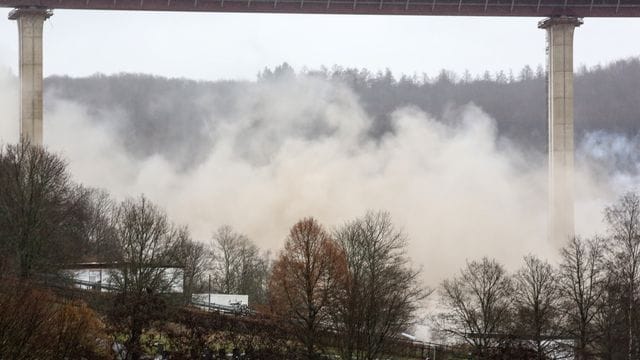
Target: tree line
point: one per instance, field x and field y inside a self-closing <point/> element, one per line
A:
<point x="585" y="307"/>
<point x="355" y="280"/>
<point x="350" y="291"/>
<point x="605" y="101"/>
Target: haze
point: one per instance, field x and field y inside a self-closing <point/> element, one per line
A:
<point x="459" y="191"/>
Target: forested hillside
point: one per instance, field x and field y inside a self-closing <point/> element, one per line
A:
<point x="174" y="117"/>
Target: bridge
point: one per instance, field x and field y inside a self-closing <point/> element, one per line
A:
<point x="562" y="17"/>
<point x="531" y="8"/>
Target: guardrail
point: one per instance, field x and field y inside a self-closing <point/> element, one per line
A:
<point x="226" y="309"/>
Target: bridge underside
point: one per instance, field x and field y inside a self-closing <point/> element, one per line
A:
<point x="534" y="8"/>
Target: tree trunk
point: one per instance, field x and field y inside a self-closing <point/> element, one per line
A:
<point x="133" y="349"/>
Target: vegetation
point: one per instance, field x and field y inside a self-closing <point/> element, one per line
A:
<point x="35" y="324"/>
<point x="605" y="101"/>
<point x="305" y="281"/>
<point x="585" y="307"/>
<point x="305" y="297"/>
<point x="351" y="291"/>
<point x="239" y="268"/>
<point x="348" y="292"/>
<point x="381" y="293"/>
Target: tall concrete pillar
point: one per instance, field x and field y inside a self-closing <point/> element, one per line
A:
<point x="560" y="125"/>
<point x="30" y="22"/>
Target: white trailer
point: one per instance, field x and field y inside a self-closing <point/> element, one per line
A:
<point x="230" y="303"/>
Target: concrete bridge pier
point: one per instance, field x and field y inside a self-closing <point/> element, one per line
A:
<point x="560" y="125"/>
<point x="30" y="22"/>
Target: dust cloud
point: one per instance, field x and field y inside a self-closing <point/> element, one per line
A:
<point x="300" y="148"/>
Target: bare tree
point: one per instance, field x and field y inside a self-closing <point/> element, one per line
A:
<point x="148" y="243"/>
<point x="381" y="292"/>
<point x="227" y="247"/>
<point x="194" y="259"/>
<point x="304" y="281"/>
<point x="97" y="229"/>
<point x="581" y="277"/>
<point x="238" y="267"/>
<point x="623" y="219"/>
<point x="478" y="304"/>
<point x="611" y="319"/>
<point x="254" y="271"/>
<point x="38" y="208"/>
<point x="536" y="299"/>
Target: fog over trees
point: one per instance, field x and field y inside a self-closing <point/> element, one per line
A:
<point x="382" y="293"/>
<point x="42" y="212"/>
<point x="356" y="280"/>
<point x="348" y="291"/>
<point x="171" y="117"/>
<point x="585" y="307"/>
<point x="238" y="267"/>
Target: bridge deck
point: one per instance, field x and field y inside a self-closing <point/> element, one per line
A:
<point x="537" y="8"/>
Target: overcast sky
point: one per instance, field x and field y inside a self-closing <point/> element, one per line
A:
<point x="236" y="46"/>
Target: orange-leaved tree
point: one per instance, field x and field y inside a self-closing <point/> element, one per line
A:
<point x="305" y="280"/>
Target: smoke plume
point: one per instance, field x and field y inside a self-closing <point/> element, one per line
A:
<point x="296" y="147"/>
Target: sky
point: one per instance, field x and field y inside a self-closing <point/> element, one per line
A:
<point x="209" y="46"/>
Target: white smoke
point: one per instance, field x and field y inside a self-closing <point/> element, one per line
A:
<point x="458" y="191"/>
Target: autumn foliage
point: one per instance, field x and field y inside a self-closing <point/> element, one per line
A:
<point x="35" y="324"/>
<point x="304" y="282"/>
